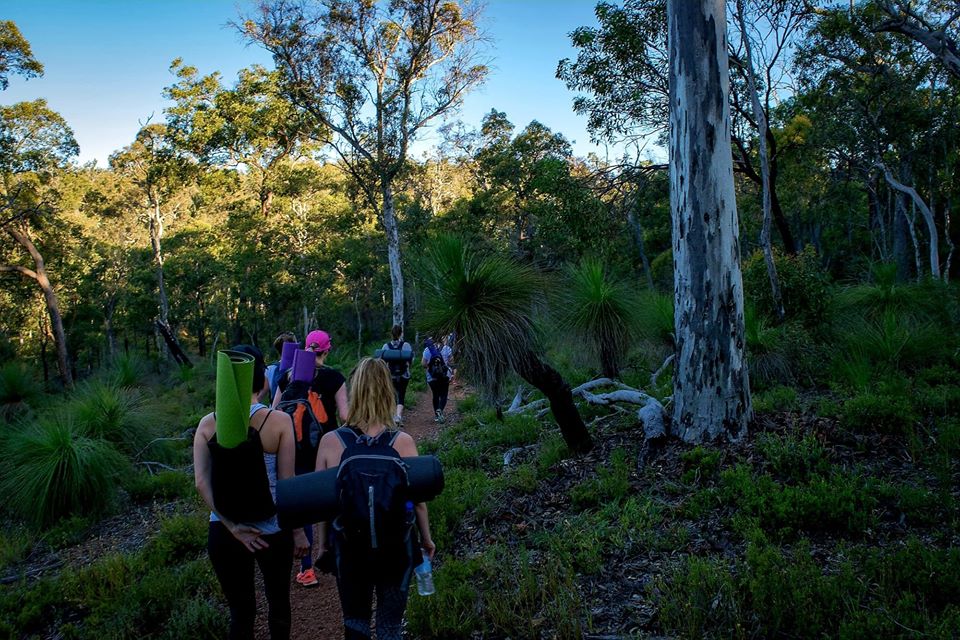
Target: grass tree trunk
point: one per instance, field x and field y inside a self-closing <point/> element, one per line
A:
<point x="711" y="385"/>
<point x="392" y="230"/>
<point x="552" y="385"/>
<point x="39" y="274"/>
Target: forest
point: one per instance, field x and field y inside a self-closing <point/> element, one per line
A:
<point x="710" y="388"/>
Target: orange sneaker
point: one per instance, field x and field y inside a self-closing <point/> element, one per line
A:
<point x="307" y="578"/>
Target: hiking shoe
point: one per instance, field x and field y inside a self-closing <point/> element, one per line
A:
<point x="438" y="416"/>
<point x="307" y="578"/>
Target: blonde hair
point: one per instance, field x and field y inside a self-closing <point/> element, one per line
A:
<point x="372" y="399"/>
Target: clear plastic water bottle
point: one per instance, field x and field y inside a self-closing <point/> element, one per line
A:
<point x="424" y="574"/>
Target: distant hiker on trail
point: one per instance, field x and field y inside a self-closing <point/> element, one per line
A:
<point x="436" y="360"/>
<point x="275" y="370"/>
<point x="235" y="546"/>
<point x="399" y="369"/>
<point x="314" y="408"/>
<point x="374" y="544"/>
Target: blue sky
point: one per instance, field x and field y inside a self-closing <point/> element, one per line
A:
<point x="107" y="61"/>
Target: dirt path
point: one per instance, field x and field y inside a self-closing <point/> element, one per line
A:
<point x="316" y="611"/>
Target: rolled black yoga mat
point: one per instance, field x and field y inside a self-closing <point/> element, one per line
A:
<point x="311" y="498"/>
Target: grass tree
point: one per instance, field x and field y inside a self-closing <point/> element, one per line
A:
<point x="488" y="300"/>
<point x="601" y="308"/>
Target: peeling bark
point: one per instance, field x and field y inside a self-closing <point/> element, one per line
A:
<point x="711" y="383"/>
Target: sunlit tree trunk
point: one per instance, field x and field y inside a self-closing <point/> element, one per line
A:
<point x="711" y="384"/>
<point x="39" y="274"/>
<point x="393" y="251"/>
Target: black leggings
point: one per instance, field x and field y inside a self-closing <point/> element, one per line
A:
<point x="233" y="565"/>
<point x="400" y="389"/>
<point x="440" y="389"/>
<point x="359" y="572"/>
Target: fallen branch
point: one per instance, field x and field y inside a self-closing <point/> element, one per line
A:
<point x="149" y="464"/>
<point x="577" y="391"/>
<point x="32" y="573"/>
<point x="656" y="374"/>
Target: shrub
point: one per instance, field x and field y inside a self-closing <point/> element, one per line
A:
<point x="804" y="285"/>
<point x="115" y="414"/>
<point x="779" y="398"/>
<point x="611" y="483"/>
<point x="15" y="542"/>
<point x="167" y="485"/>
<point x="53" y="469"/>
<point x="19" y="389"/>
<point x="700" y="463"/>
<point x="128" y="371"/>
<point x="698" y="599"/>
<point x="792" y="457"/>
<point x="872" y="413"/>
<point x="656" y="317"/>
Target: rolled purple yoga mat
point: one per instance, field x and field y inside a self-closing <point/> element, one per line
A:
<point x="286" y="356"/>
<point x="304" y="363"/>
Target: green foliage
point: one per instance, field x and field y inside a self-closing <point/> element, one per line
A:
<point x="601" y="308"/>
<point x="838" y="502"/>
<point x="128" y="371"/>
<point x="700" y="464"/>
<point x="611" y="484"/>
<point x="804" y="285"/>
<point x="19" y="389"/>
<point x="68" y="531"/>
<point x="552" y="450"/>
<point x="463" y="490"/>
<point x="15" y="542"/>
<point x="914" y="505"/>
<point x="780" y="398"/>
<point x="53" y="469"/>
<point x="180" y="538"/>
<point x="166" y="485"/>
<point x="698" y="600"/>
<point x="873" y="413"/>
<point x="485" y="298"/>
<point x="655" y="317"/>
<point x="792" y="457"/>
<point x="119" y="415"/>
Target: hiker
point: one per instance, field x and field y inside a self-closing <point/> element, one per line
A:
<point x="330" y="385"/>
<point x="235" y="546"/>
<point x="274" y="370"/>
<point x="373" y="555"/>
<point x="399" y="370"/>
<point x="436" y="360"/>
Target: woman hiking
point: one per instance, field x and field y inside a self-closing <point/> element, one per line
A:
<point x="234" y="547"/>
<point x="399" y="370"/>
<point x="436" y="361"/>
<point x="385" y="565"/>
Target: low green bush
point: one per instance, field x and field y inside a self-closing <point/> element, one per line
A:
<point x="610" y="484"/>
<point x="128" y="371"/>
<point x="166" y="485"/>
<point x="15" y="543"/>
<point x="804" y="285"/>
<point x="54" y="469"/>
<point x="914" y="505"/>
<point x="19" y="389"/>
<point x="792" y="457"/>
<point x="872" y="413"/>
<point x="780" y="398"/>
<point x="119" y="415"/>
<point x="836" y="503"/>
<point x="464" y="490"/>
<point x="700" y="464"/>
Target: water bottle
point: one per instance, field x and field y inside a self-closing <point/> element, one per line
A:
<point x="424" y="574"/>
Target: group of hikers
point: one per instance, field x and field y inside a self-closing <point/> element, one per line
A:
<point x="298" y="433"/>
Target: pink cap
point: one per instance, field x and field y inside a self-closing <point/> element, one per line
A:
<point x="318" y="340"/>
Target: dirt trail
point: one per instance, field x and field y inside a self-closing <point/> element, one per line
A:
<point x="316" y="611"/>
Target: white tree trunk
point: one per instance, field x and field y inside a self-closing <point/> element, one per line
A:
<point x="711" y="383"/>
<point x="927" y="217"/>
<point x="392" y="230"/>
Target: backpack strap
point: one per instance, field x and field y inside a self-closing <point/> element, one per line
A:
<point x="264" y="421"/>
<point x="393" y="438"/>
<point x="341" y="433"/>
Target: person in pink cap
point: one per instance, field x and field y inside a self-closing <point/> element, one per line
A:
<point x="332" y="389"/>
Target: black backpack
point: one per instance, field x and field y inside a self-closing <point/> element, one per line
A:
<point x="305" y="408"/>
<point x="437" y="367"/>
<point x="372" y="488"/>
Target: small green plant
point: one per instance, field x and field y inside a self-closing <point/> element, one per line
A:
<point x="872" y="413"/>
<point x="698" y="599"/>
<point x="611" y="483"/>
<point x="67" y="532"/>
<point x="700" y="464"/>
<point x="116" y="414"/>
<point x="552" y="450"/>
<point x="54" y="469"/>
<point x="15" y="542"/>
<point x="166" y="485"/>
<point x="780" y="398"/>
<point x="128" y="371"/>
<point x="792" y="457"/>
<point x="18" y="389"/>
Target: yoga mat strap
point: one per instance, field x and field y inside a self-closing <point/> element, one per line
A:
<point x="312" y="497"/>
<point x="238" y="480"/>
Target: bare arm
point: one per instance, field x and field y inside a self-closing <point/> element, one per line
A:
<point x="407" y="448"/>
<point x="342" y="406"/>
<point x="328" y="456"/>
<point x="279" y="423"/>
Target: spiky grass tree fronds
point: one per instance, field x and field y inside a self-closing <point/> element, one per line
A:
<point x="119" y="415"/>
<point x="601" y="308"/>
<point x="489" y="300"/>
<point x="128" y="371"/>
<point x="18" y="389"/>
<point x="655" y="317"/>
<point x="53" y="469"/>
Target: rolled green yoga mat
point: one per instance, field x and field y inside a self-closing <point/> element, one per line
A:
<point x="311" y="497"/>
<point x="234" y="387"/>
